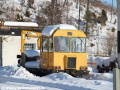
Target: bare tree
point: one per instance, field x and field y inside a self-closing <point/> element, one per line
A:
<point x="53" y="12"/>
<point x="109" y="43"/>
<point x="2" y="2"/>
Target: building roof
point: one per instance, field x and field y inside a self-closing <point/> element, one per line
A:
<point x="11" y="23"/>
<point x="16" y="30"/>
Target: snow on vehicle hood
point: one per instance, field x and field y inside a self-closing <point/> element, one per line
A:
<point x="32" y="53"/>
<point x="32" y="64"/>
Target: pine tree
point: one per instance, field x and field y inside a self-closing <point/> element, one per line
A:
<point x="19" y="18"/>
<point x="27" y="13"/>
<point x="103" y="17"/>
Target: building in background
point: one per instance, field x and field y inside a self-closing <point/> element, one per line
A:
<point x="10" y="40"/>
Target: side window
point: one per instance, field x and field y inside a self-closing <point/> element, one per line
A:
<point x="45" y="44"/>
<point x="29" y="46"/>
<point x="50" y="45"/>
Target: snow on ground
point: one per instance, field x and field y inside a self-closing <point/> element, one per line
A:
<point x="18" y="78"/>
<point x="12" y="71"/>
<point x="102" y="60"/>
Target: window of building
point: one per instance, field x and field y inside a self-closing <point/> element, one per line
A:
<point x="29" y="46"/>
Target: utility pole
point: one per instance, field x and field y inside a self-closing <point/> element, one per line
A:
<point x="79" y="16"/>
<point x="118" y="27"/>
<point x="67" y="11"/>
<point x="98" y="41"/>
<point x="87" y="17"/>
<point x="116" y="71"/>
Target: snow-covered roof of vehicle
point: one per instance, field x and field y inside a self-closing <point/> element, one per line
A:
<point x="11" y="23"/>
<point x="48" y="31"/>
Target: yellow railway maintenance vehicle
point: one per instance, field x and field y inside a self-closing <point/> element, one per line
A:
<point x="63" y="49"/>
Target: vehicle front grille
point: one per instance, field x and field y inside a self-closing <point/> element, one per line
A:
<point x="71" y="62"/>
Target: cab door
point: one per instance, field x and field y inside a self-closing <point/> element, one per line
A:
<point x="50" y="54"/>
<point x="44" y="63"/>
<point x="46" y="53"/>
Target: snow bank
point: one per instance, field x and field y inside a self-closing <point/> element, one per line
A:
<point x="113" y="57"/>
<point x="105" y="60"/>
<point x="103" y="76"/>
<point x="32" y="53"/>
<point x="15" y="71"/>
<point x="90" y="69"/>
<point x="98" y="82"/>
<point x="32" y="64"/>
<point x="102" y="60"/>
<point x="100" y="76"/>
<point x="59" y="76"/>
<point x="13" y="76"/>
<point x="30" y="24"/>
<point x="48" y="31"/>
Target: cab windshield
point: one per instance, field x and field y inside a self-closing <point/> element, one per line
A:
<point x="78" y="44"/>
<point x="62" y="44"/>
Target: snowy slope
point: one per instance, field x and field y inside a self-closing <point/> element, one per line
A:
<point x="18" y="78"/>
